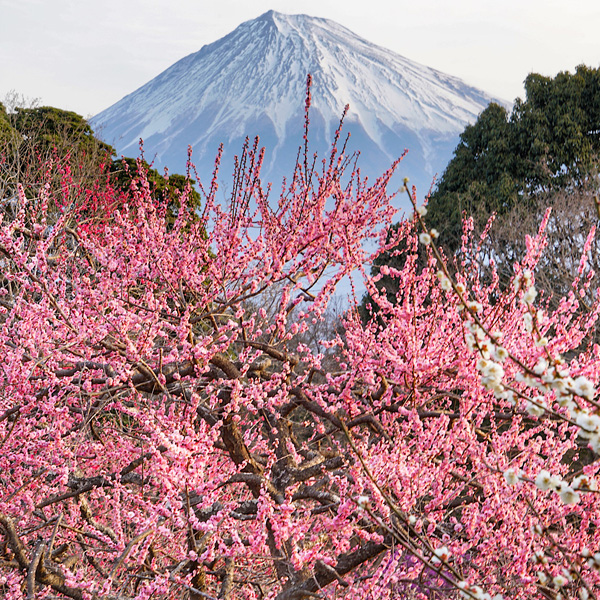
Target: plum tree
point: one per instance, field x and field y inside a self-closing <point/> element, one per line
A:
<point x="163" y="436"/>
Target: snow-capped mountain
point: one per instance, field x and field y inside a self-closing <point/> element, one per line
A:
<point x="252" y="82"/>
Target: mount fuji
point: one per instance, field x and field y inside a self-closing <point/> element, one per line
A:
<point x="253" y="82"/>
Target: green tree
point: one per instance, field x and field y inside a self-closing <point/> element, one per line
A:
<point x="480" y="179"/>
<point x="550" y="141"/>
<point x="557" y="128"/>
<point x="33" y="137"/>
<point x="515" y="165"/>
<point x="126" y="171"/>
<point x="54" y="128"/>
<point x="4" y="121"/>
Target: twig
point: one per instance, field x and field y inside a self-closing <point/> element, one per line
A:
<point x="128" y="548"/>
<point x="227" y="584"/>
<point x="33" y="567"/>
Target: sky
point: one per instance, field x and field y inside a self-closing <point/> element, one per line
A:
<point x="85" y="55"/>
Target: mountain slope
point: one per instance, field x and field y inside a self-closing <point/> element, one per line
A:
<point x="252" y="82"/>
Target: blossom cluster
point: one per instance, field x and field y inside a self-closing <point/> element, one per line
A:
<point x="475" y="592"/>
<point x="177" y="421"/>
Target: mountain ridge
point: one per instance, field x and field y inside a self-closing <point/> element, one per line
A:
<point x="252" y="82"/>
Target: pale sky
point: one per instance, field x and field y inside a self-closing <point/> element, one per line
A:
<point x="85" y="55"/>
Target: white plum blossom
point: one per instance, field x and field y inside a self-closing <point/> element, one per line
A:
<point x="531" y="381"/>
<point x="556" y="482"/>
<point x="542" y="577"/>
<point x="560" y="581"/>
<point x="500" y="354"/>
<point x="511" y="476"/>
<point x="474" y="591"/>
<point x="540" y="366"/>
<point x="362" y="501"/>
<point x="441" y="554"/>
<point x="507" y="395"/>
<point x="564" y="399"/>
<point x="544" y="480"/>
<point x="470" y="341"/>
<point x="568" y="495"/>
<point x="583" y="482"/>
<point x="475" y="306"/>
<point x="594" y="561"/>
<point x="583" y="387"/>
<point x="445" y="283"/>
<point x="491" y="374"/>
<point x="537" y="407"/>
<point x="489" y="368"/>
<point x="425" y="239"/>
<point x="530" y="295"/>
<point x="522" y="280"/>
<point x="494" y="370"/>
<point x="558" y="382"/>
<point x="589" y="424"/>
<point x="595" y="444"/>
<point x="485" y="348"/>
<point x="475" y="330"/>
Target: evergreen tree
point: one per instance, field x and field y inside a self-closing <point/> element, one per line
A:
<point x="515" y="164"/>
<point x="480" y="179"/>
<point x="125" y="171"/>
<point x="33" y="137"/>
<point x="550" y="141"/>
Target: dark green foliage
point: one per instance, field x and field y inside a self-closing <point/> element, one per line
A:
<point x="60" y="129"/>
<point x="125" y="171"/>
<point x="550" y="141"/>
<point x="556" y="130"/>
<point x="480" y="179"/>
<point x="396" y="259"/>
<point x="32" y="137"/>
<point x="4" y="121"/>
<point x="515" y="164"/>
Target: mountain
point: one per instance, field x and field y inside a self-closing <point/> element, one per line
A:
<point x="252" y="82"/>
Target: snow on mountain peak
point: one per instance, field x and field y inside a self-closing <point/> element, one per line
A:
<point x="252" y="82"/>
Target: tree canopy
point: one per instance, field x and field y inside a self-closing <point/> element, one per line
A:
<point x="125" y="172"/>
<point x="33" y="138"/>
<point x="550" y="141"/>
<point x="56" y="128"/>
